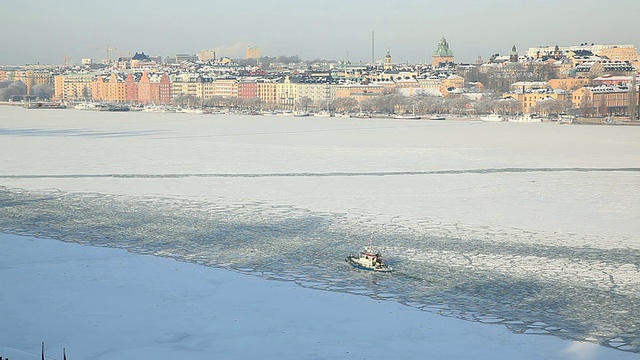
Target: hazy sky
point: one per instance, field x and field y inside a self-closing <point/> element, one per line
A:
<point x="45" y="31"/>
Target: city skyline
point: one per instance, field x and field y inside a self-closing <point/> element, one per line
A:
<point x="410" y="29"/>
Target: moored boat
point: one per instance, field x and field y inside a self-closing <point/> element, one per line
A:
<point x="492" y="118"/>
<point x="407" y="116"/>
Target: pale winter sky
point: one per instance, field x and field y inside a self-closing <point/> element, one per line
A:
<point x="47" y="31"/>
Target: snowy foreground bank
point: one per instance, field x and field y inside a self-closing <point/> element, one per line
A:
<point x="145" y="235"/>
<point x="110" y="304"/>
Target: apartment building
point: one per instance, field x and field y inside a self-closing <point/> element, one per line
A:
<point x="73" y="86"/>
<point x="604" y="100"/>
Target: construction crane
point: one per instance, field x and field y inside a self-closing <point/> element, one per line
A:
<point x="108" y="51"/>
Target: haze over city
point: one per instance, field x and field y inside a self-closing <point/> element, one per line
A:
<point x="47" y="32"/>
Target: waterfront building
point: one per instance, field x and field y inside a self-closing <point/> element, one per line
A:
<point x="73" y="86"/>
<point x="154" y="89"/>
<point x="443" y="53"/>
<point x="528" y="99"/>
<point x="164" y="86"/>
<point x="187" y="84"/>
<point x="286" y="92"/>
<point x="247" y="89"/>
<point x="226" y="87"/>
<point x="208" y="87"/>
<point x="604" y="100"/>
<point x="33" y="77"/>
<point x="131" y="89"/>
<point x="359" y="92"/>
<point x="320" y="93"/>
<point x="110" y="88"/>
<point x="266" y="91"/>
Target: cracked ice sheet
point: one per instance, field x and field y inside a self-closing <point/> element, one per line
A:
<point x="106" y="303"/>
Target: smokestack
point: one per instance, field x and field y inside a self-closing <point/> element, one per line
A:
<point x="373" y="47"/>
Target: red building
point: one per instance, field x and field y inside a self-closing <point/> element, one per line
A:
<point x="131" y="89"/>
<point x="144" y="89"/>
<point x="247" y="89"/>
<point x="154" y="89"/>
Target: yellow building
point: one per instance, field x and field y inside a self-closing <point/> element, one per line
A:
<point x="603" y="100"/>
<point x="206" y="55"/>
<point x="528" y="100"/>
<point x="286" y="93"/>
<point x="187" y="85"/>
<point x="622" y="53"/>
<point x="453" y="81"/>
<point x="226" y="87"/>
<point x="73" y="86"/>
<point x="33" y="77"/>
<point x="267" y="91"/>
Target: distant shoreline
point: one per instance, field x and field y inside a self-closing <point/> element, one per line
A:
<point x="624" y="121"/>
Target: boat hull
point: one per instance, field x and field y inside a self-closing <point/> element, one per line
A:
<point x="353" y="262"/>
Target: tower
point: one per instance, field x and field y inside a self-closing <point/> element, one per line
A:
<point x="513" y="58"/>
<point x="443" y="54"/>
<point x="387" y="61"/>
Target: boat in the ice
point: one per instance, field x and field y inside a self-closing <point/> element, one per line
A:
<point x="368" y="260"/>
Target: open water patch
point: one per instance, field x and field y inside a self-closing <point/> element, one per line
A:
<point x="560" y="288"/>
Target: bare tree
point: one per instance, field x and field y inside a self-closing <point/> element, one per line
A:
<point x="42" y="91"/>
<point x="17" y="89"/>
<point x="304" y="102"/>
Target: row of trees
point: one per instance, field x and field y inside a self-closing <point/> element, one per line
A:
<point x="17" y="90"/>
<point x="386" y="104"/>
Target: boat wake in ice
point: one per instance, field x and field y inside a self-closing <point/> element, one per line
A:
<point x="561" y="286"/>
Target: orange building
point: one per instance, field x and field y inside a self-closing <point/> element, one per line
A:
<point x="108" y="88"/>
<point x="359" y="91"/>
